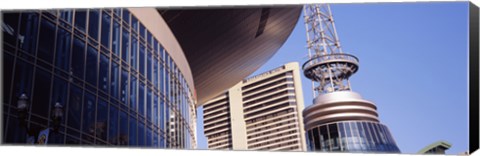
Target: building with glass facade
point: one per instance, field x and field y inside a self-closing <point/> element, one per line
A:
<point x="120" y="75"/>
<point x="343" y="121"/>
<point x="116" y="79"/>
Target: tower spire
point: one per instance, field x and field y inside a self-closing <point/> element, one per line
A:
<point x="337" y="110"/>
<point x="328" y="66"/>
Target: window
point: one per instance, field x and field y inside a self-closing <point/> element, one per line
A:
<point x="47" y="42"/>
<point x="63" y="49"/>
<point x="41" y="93"/>
<point x="28" y="32"/>
<point x="149" y="66"/>
<point x="92" y="61"/>
<point x="149" y="38"/>
<point x="167" y="85"/>
<point x="333" y="130"/>
<point x="155" y="72"/>
<point x="8" y="76"/>
<point x="123" y="128"/>
<point x="142" y="31"/>
<point x="162" y="78"/>
<point x="316" y="139"/>
<point x="74" y="107"/>
<point x="149" y="104"/>
<point x="106" y="30"/>
<point x="93" y="24"/>
<point x="102" y="114"/>
<point x="141" y="60"/>
<point x="116" y="38"/>
<point x="22" y="80"/>
<point x="88" y="121"/>
<point x="78" y="52"/>
<point x="80" y="19"/>
<point x="103" y="73"/>
<point x="162" y="115"/>
<point x="125" y="44"/>
<point x="114" y="80"/>
<point x="133" y="93"/>
<point x="141" y="134"/>
<point x="141" y="99"/>
<point x="113" y="125"/>
<point x="134" y="24"/>
<point x="126" y="15"/>
<point x="155" y="139"/>
<point x="10" y="28"/>
<point x="66" y="15"/>
<point x="155" y="110"/>
<point x="124" y="87"/>
<point x="133" y="132"/>
<point x="133" y="54"/>
<point x="149" y="137"/>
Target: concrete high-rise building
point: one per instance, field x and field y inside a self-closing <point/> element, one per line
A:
<point x="262" y="112"/>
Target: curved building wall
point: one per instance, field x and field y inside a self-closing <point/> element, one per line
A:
<point x="344" y="121"/>
<point x="122" y="80"/>
<point x="351" y="136"/>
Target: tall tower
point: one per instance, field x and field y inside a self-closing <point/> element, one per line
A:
<point x="339" y="119"/>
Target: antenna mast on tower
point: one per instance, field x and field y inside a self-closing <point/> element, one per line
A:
<point x="328" y="66"/>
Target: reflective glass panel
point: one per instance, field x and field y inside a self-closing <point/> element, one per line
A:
<point x="141" y="99"/>
<point x="141" y="134"/>
<point x="41" y="93"/>
<point x="124" y="86"/>
<point x="74" y="107"/>
<point x="101" y="124"/>
<point x="125" y="44"/>
<point x="88" y="121"/>
<point x="28" y="32"/>
<point x="80" y="19"/>
<point x="103" y="73"/>
<point x="133" y="93"/>
<point x="106" y="21"/>
<point x="47" y="42"/>
<point x="63" y="49"/>
<point x="114" y="80"/>
<point x="133" y="53"/>
<point x="123" y="131"/>
<point x="141" y="59"/>
<point x="113" y="125"/>
<point x="92" y="61"/>
<point x="93" y="23"/>
<point x="116" y="38"/>
<point x="149" y="104"/>
<point x="132" y="132"/>
<point x="78" y="52"/>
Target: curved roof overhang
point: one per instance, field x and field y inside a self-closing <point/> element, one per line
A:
<point x="225" y="45"/>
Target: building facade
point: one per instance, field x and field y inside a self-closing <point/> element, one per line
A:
<point x="262" y="112"/>
<point x="119" y="75"/>
<point x="125" y="76"/>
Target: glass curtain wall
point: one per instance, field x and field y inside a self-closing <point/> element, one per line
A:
<point x="116" y="82"/>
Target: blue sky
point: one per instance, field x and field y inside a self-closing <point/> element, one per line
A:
<point x="413" y="66"/>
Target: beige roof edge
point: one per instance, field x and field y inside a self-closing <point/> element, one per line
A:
<point x="153" y="21"/>
<point x="444" y="144"/>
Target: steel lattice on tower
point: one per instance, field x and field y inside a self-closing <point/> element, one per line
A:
<point x="328" y="65"/>
<point x="339" y="119"/>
